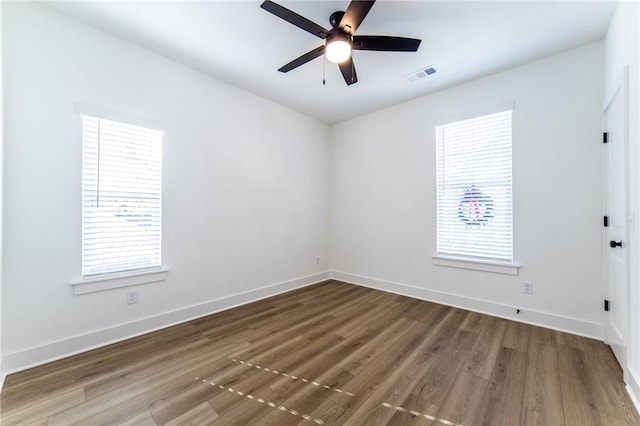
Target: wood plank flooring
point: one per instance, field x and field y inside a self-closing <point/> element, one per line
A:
<point x="331" y="354"/>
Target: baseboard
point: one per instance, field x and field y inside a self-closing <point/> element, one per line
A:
<point x="39" y="355"/>
<point x="543" y="319"/>
<point x="633" y="388"/>
<point x="43" y="354"/>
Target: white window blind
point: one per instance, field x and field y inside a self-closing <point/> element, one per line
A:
<point x="121" y="197"/>
<point x="475" y="188"/>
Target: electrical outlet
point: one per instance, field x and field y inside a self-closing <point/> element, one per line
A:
<point x="527" y="287"/>
<point x="132" y="297"/>
<point x="317" y="260"/>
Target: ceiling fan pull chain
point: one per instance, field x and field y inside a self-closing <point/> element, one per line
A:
<point x="324" y="61"/>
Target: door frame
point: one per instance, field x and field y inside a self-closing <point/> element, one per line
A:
<point x="620" y="87"/>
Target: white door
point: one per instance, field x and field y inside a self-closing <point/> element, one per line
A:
<point x="616" y="188"/>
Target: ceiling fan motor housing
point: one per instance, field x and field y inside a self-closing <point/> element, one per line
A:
<point x="337" y="35"/>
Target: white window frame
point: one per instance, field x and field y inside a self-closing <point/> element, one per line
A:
<point x="476" y="262"/>
<point x="129" y="277"/>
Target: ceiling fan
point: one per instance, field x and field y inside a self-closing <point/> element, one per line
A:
<point x="340" y="39"/>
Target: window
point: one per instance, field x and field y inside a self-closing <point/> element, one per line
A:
<point x="121" y="197"/>
<point x="474" y="188"/>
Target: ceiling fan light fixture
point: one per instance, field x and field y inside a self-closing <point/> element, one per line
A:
<point x="338" y="48"/>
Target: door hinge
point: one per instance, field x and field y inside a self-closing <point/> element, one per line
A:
<point x="605" y="137"/>
<point x="606" y="305"/>
<point x="606" y="221"/>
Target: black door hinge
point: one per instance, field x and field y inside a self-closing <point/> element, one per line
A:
<point x="606" y="305"/>
<point x="606" y="221"/>
<point x="605" y="137"/>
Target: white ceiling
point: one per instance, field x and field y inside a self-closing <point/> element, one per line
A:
<point x="242" y="44"/>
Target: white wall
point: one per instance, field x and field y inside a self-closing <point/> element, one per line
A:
<point x="622" y="47"/>
<point x="2" y="108"/>
<point x="384" y="200"/>
<point x="246" y="188"/>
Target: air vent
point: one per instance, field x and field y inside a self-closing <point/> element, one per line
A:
<point x="420" y="74"/>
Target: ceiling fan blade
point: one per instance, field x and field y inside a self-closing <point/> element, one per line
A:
<point x="295" y="19"/>
<point x="385" y="43"/>
<point x="318" y="51"/>
<point x="354" y="15"/>
<point x="348" y="71"/>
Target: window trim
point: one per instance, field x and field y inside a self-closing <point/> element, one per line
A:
<point x="104" y="282"/>
<point x="112" y="281"/>
<point x="84" y="108"/>
<point x="471" y="263"/>
<point x="476" y="264"/>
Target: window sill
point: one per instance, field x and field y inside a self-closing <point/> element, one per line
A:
<point x="110" y="282"/>
<point x="476" y="265"/>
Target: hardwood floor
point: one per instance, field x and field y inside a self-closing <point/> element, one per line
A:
<point x="331" y="354"/>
